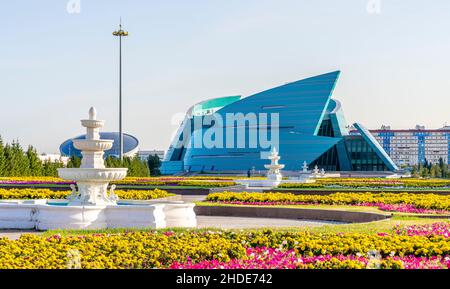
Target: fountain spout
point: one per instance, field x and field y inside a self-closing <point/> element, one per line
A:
<point x="92" y="113"/>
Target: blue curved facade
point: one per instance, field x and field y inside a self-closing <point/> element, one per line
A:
<point x="130" y="145"/>
<point x="308" y="124"/>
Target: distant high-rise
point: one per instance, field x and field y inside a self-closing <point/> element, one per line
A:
<point x="408" y="147"/>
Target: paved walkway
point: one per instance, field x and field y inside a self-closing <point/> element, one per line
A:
<point x="247" y="223"/>
<point x="15" y="234"/>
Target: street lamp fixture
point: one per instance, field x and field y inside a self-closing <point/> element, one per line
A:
<point x="120" y="33"/>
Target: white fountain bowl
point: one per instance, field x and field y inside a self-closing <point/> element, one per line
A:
<point x="93" y="145"/>
<point x="256" y="183"/>
<point x="276" y="167"/>
<point x="92" y="175"/>
<point x="92" y="123"/>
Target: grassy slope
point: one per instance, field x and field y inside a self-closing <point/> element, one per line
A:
<point x="329" y="207"/>
<point x="384" y="226"/>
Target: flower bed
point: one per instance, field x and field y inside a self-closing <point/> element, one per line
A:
<point x="217" y="181"/>
<point x="34" y="181"/>
<point x="435" y="229"/>
<point x="371" y="183"/>
<point x="398" y="202"/>
<point x="404" y="208"/>
<point x="229" y="249"/>
<point x="32" y="194"/>
<point x="176" y="181"/>
<point x="268" y="258"/>
<point x="162" y="181"/>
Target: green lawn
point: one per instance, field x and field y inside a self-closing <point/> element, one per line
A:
<point x="332" y="207"/>
<point x="383" y="226"/>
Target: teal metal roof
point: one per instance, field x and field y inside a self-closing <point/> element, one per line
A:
<point x="213" y="104"/>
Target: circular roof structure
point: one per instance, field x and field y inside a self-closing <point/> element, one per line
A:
<point x="130" y="145"/>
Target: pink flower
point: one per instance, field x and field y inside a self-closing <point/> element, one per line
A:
<point x="269" y="258"/>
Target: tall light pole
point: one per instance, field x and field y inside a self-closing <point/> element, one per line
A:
<point x="120" y="33"/>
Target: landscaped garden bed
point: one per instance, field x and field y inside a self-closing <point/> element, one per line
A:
<point x="412" y="247"/>
<point x="379" y="183"/>
<point x="33" y="194"/>
<point x="201" y="182"/>
<point x="392" y="202"/>
<point x="322" y="185"/>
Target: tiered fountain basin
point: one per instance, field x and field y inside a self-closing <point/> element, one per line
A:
<point x="58" y="214"/>
<point x="92" y="175"/>
<point x="98" y="145"/>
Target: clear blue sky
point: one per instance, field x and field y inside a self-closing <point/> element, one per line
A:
<point x="55" y="64"/>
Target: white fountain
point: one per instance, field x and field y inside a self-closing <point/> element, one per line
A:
<point x="92" y="206"/>
<point x="305" y="167"/>
<point x="303" y="176"/>
<point x="316" y="171"/>
<point x="320" y="173"/>
<point x="274" y="177"/>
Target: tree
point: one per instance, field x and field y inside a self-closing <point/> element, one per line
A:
<point x="112" y="162"/>
<point x="444" y="168"/>
<point x="15" y="162"/>
<point x="2" y="157"/>
<point x="136" y="167"/>
<point x="154" y="163"/>
<point x="428" y="164"/>
<point x="19" y="162"/>
<point x="8" y="162"/>
<point x="423" y="170"/>
<point x="74" y="162"/>
<point x="34" y="163"/>
<point x="438" y="171"/>
<point x="433" y="172"/>
<point x="415" y="172"/>
<point x="50" y="168"/>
